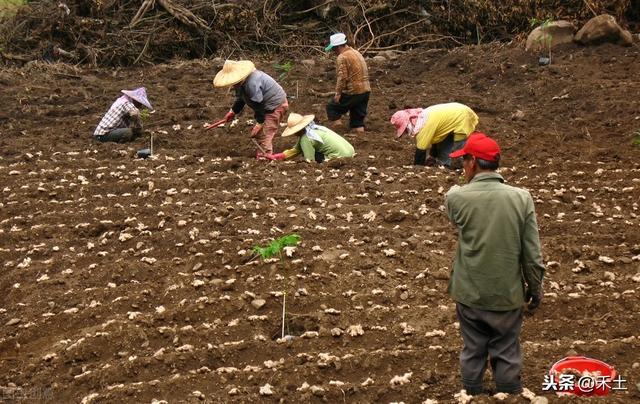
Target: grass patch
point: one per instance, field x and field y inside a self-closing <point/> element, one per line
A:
<point x="8" y="8"/>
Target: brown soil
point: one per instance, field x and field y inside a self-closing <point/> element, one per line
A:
<point x="87" y="296"/>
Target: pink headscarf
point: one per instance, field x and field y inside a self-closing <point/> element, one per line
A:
<point x="401" y="119"/>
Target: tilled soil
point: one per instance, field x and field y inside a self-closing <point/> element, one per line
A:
<point x="130" y="280"/>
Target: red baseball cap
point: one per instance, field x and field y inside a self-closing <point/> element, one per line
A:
<point x="480" y="146"/>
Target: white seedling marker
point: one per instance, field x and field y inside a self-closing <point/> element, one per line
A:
<point x="151" y="154"/>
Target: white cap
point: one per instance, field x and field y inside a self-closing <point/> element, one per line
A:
<point x="336" y="40"/>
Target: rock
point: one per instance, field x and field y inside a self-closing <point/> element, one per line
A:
<point x="13" y="321"/>
<point x="379" y="58"/>
<point x="554" y="33"/>
<point x="603" y="28"/>
<point x="258" y="303"/>
<point x="308" y="63"/>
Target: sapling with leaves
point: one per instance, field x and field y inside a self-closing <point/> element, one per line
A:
<point x="276" y="249"/>
<point x="546" y="36"/>
<point x="284" y="69"/>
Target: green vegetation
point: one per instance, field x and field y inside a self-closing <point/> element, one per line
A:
<point x="546" y="37"/>
<point x="276" y="247"/>
<point x="273" y="249"/>
<point x="283" y="68"/>
<point x="8" y="8"/>
<point x="636" y="138"/>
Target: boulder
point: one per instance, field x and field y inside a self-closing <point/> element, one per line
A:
<point x="603" y="28"/>
<point x="555" y="32"/>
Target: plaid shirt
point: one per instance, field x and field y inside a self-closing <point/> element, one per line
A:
<point x="117" y="116"/>
<point x="353" y="75"/>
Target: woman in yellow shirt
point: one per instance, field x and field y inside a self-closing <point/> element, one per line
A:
<point x="442" y="128"/>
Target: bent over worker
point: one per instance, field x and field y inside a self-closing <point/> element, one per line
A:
<point x="122" y="122"/>
<point x="497" y="268"/>
<point x="440" y="128"/>
<point x="316" y="142"/>
<point x="262" y="93"/>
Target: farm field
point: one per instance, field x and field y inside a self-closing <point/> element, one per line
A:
<point x="128" y="280"/>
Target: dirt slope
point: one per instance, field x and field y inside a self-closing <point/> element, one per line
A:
<point x="125" y="280"/>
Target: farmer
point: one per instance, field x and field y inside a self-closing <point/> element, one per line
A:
<point x="122" y="122"/>
<point x="261" y="92"/>
<point x="441" y="127"/>
<point x="352" y="86"/>
<point x="316" y="142"/>
<point x="497" y="268"/>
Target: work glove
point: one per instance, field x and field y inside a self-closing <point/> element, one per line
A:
<point x="534" y="299"/>
<point x="256" y="130"/>
<point x="277" y="156"/>
<point x="229" y="116"/>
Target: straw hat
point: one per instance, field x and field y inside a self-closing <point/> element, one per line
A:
<point x="140" y="95"/>
<point x="296" y="123"/>
<point x="233" y="72"/>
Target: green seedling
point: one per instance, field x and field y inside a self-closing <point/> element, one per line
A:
<point x="144" y="114"/>
<point x="546" y="38"/>
<point x="636" y="138"/>
<point x="275" y="249"/>
<point x="283" y="68"/>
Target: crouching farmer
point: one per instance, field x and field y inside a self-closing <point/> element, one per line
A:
<point x="122" y="122"/>
<point x="316" y="142"/>
<point x="262" y="93"/>
<point x="440" y="128"/>
<point x="497" y="268"/>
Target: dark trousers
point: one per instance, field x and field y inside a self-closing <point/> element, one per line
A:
<point x="120" y="135"/>
<point x="355" y="105"/>
<point x="440" y="151"/>
<point x="494" y="334"/>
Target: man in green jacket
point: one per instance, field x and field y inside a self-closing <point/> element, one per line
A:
<point x="497" y="269"/>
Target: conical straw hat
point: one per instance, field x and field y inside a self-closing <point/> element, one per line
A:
<point x="233" y="72"/>
<point x="296" y="123"/>
<point x="140" y="95"/>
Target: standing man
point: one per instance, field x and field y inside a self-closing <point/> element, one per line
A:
<point x="498" y="266"/>
<point x="261" y="92"/>
<point x="440" y="128"/>
<point x="123" y="122"/>
<point x="352" y="86"/>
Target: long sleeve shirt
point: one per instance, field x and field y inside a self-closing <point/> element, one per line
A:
<point x="261" y="92"/>
<point x="352" y="73"/>
<point x="498" y="246"/>
<point x="332" y="146"/>
<point x="441" y="120"/>
<point x="121" y="114"/>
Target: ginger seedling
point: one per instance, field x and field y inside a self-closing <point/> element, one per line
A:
<point x="276" y="248"/>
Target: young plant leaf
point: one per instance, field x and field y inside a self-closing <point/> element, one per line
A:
<point x="276" y="246"/>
